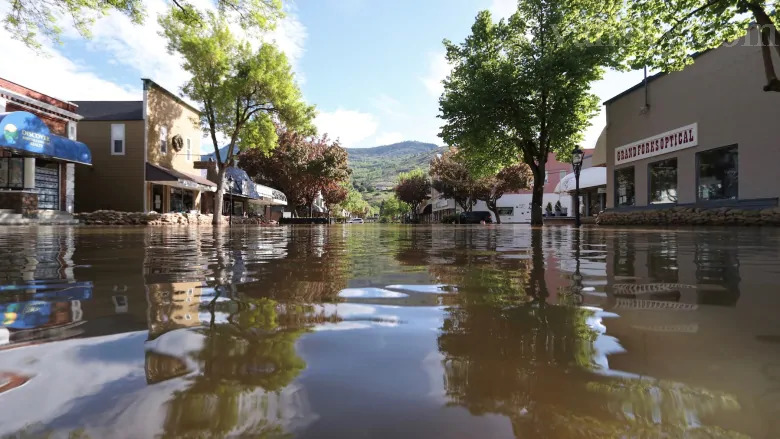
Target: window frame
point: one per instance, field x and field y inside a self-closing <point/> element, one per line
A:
<point x="188" y="148"/>
<point x="124" y="142"/>
<point x="163" y="139"/>
<point x="511" y="209"/>
<point x="617" y="187"/>
<point x="698" y="175"/>
<point x="650" y="177"/>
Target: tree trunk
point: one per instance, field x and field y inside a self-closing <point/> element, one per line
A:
<point x="537" y="197"/>
<point x="492" y="206"/>
<point x="768" y="33"/>
<point x="216" y="218"/>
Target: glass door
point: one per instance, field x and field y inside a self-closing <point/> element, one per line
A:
<point x="47" y="183"/>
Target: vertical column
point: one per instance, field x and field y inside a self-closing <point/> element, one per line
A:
<point x="70" y="186"/>
<point x="29" y="172"/>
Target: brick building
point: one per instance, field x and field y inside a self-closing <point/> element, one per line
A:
<point x="38" y="153"/>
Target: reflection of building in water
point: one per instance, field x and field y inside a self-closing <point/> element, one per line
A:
<point x="173" y="306"/>
<point x="39" y="296"/>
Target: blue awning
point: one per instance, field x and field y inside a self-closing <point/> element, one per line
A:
<point x="242" y="186"/>
<point x="25" y="132"/>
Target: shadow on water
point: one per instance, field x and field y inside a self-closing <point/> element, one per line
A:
<point x="389" y="331"/>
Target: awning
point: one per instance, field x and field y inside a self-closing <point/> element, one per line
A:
<point x="271" y="196"/>
<point x="25" y="132"/>
<point x="242" y="185"/>
<point x="171" y="177"/>
<point x="589" y="177"/>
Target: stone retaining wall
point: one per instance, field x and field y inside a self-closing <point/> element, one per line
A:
<point x="690" y="216"/>
<point x="116" y="218"/>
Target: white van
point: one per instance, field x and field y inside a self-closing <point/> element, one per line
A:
<point x="355" y="221"/>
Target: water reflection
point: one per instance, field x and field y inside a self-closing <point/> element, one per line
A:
<point x="450" y="331"/>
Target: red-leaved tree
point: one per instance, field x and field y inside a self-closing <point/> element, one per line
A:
<point x="412" y="189"/>
<point x="510" y="179"/>
<point x="300" y="166"/>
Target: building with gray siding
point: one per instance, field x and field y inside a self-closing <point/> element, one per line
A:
<point x="706" y="136"/>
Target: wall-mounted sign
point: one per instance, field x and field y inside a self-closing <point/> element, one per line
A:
<point x="670" y="141"/>
<point x="202" y="164"/>
<point x="26" y="132"/>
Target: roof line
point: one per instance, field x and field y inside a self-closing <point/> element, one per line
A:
<point x="148" y="82"/>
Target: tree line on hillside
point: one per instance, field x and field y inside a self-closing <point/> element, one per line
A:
<point x="518" y="89"/>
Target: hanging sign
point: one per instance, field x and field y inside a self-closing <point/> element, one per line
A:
<point x="670" y="141"/>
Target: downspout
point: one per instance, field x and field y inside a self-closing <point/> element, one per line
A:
<point x="146" y="146"/>
<point x="647" y="104"/>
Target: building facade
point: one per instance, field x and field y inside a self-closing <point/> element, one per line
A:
<point x="39" y="153"/>
<point x="144" y="153"/>
<point x="704" y="136"/>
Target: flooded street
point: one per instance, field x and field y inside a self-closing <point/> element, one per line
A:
<point x="389" y="331"/>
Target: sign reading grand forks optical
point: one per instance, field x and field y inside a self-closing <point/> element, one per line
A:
<point x="664" y="143"/>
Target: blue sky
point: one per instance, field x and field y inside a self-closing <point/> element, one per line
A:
<point x="372" y="67"/>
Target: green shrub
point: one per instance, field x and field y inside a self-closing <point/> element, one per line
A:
<point x="449" y="219"/>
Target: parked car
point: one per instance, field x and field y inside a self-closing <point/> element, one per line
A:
<point x="355" y="221"/>
<point x="476" y="217"/>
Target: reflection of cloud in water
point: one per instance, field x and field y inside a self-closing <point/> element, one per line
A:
<point x="108" y="398"/>
<point x="370" y="293"/>
<point x="430" y="289"/>
<point x="340" y="326"/>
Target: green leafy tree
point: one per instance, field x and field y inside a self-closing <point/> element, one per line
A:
<point x="28" y="20"/>
<point x="519" y="88"/>
<point x="412" y="189"/>
<point x="392" y="208"/>
<point x="691" y="26"/>
<point x="512" y="178"/>
<point x="453" y="179"/>
<point x="354" y="204"/>
<point x="242" y="91"/>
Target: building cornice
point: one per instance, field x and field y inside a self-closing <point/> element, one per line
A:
<point x="34" y="104"/>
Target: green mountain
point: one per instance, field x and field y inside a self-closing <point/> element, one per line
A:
<point x="379" y="166"/>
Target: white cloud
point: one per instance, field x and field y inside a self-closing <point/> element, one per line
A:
<point x="349" y="126"/>
<point x="58" y="76"/>
<point x="438" y="69"/>
<point x="502" y="8"/>
<point x="389" y="106"/>
<point x="389" y="138"/>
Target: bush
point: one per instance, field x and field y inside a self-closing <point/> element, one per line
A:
<point x="450" y="219"/>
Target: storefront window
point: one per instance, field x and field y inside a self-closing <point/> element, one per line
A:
<point x="718" y="174"/>
<point x="182" y="200"/>
<point x="663" y="181"/>
<point x="157" y="198"/>
<point x="624" y="187"/>
<point x="12" y="173"/>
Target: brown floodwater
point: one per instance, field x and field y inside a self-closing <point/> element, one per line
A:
<point x="386" y="331"/>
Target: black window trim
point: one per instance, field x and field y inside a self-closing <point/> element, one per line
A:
<point x="698" y="169"/>
<point x="617" y="197"/>
<point x="649" y="176"/>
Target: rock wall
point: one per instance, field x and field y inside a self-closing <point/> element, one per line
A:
<point x="116" y="218"/>
<point x="690" y="216"/>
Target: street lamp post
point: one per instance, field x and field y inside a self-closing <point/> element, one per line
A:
<point x="230" y="189"/>
<point x="576" y="163"/>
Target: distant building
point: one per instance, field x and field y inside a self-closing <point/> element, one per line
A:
<point x="514" y="207"/>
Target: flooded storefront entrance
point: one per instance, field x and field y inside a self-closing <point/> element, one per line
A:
<point x="389" y="331"/>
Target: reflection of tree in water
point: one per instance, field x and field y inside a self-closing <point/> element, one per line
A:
<point x="244" y="366"/>
<point x="534" y="364"/>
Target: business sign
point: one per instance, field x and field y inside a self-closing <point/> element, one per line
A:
<point x="25" y="132"/>
<point x="670" y="141"/>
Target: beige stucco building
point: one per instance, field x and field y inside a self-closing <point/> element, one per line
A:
<point x="705" y="136"/>
<point x="143" y="154"/>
